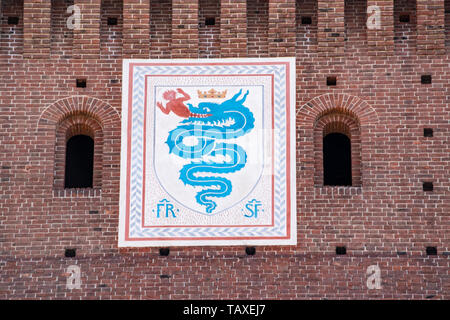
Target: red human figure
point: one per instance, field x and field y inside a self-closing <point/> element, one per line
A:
<point x="176" y="105"/>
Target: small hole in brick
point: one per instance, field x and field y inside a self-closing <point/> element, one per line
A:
<point x="331" y="81"/>
<point x="306" y="20"/>
<point x="70" y="253"/>
<point x="250" y="251"/>
<point x="81" y="83"/>
<point x="426" y="79"/>
<point x="13" y="20"/>
<point x="93" y="211"/>
<point x="427" y="186"/>
<point x="404" y="18"/>
<point x="164" y="252"/>
<point x="428" y="132"/>
<point x="341" y="250"/>
<point x="431" y="251"/>
<point x="112" y="21"/>
<point x="210" y="21"/>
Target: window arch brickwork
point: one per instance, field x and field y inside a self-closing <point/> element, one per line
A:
<point x="337" y="122"/>
<point x="72" y="126"/>
<point x="329" y="113"/>
<point x="88" y="116"/>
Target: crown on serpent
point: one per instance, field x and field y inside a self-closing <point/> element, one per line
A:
<point x="212" y="94"/>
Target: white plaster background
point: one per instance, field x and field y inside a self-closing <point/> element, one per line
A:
<point x="168" y="165"/>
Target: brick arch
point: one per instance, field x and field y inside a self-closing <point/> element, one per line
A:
<point x="319" y="106"/>
<point x="82" y="115"/>
<point x="70" y="126"/>
<point x="61" y="109"/>
<point x="327" y="113"/>
<point x="337" y="122"/>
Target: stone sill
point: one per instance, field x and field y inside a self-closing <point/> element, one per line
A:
<point x="77" y="193"/>
<point x="338" y="190"/>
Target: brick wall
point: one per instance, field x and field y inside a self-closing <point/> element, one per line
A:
<point x="61" y="37"/>
<point x="209" y="34"/>
<point x="160" y="29"/>
<point x="387" y="220"/>
<point x="257" y="28"/>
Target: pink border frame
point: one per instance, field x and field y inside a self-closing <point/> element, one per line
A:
<point x="129" y="126"/>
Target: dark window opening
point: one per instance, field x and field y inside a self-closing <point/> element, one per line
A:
<point x="13" y="20"/>
<point x="306" y="20"/>
<point x="404" y="18"/>
<point x="79" y="162"/>
<point x="210" y="21"/>
<point x="112" y="21"/>
<point x="341" y="250"/>
<point x="337" y="160"/>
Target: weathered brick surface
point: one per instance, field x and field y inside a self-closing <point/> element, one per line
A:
<point x="86" y="41"/>
<point x="331" y="27"/>
<point x="381" y="40"/>
<point x="378" y="90"/>
<point x="36" y="19"/>
<point x="257" y="28"/>
<point x="233" y="29"/>
<point x="430" y="26"/>
<point x="160" y="29"/>
<point x="136" y="29"/>
<point x="209" y="35"/>
<point x="185" y="33"/>
<point x="281" y="34"/>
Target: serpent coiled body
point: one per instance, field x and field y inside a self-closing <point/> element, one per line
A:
<point x="203" y="140"/>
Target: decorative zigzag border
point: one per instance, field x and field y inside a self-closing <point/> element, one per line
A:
<point x="280" y="197"/>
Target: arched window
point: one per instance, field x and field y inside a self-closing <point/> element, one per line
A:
<point x="79" y="165"/>
<point x="337" y="160"/>
<point x="78" y="153"/>
<point x="337" y="144"/>
<point x="87" y="116"/>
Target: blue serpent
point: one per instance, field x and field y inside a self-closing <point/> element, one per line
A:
<point x="210" y="155"/>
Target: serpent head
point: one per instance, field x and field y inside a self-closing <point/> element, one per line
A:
<point x="215" y="114"/>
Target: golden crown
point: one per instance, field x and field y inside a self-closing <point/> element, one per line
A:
<point x="212" y="94"/>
